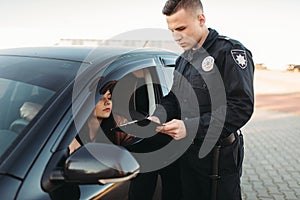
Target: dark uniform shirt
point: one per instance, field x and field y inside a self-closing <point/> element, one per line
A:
<point x="212" y="88"/>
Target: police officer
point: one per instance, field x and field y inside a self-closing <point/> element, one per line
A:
<point x="219" y="72"/>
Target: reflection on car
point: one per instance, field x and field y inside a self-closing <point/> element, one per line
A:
<point x="46" y="96"/>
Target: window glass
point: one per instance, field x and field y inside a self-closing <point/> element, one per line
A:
<point x="3" y="86"/>
<point x="121" y="101"/>
<point x="19" y="104"/>
<point x="166" y="79"/>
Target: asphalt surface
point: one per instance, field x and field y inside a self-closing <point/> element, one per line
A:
<point x="272" y="166"/>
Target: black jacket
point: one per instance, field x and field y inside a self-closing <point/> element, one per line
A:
<point x="212" y="88"/>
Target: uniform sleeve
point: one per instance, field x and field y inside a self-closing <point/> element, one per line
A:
<point x="238" y="82"/>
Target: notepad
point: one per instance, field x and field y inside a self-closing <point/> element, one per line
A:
<point x="144" y="127"/>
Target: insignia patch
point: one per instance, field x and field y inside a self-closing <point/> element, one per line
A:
<point x="240" y="58"/>
<point x="208" y="63"/>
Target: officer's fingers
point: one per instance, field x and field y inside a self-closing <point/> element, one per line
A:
<point x="169" y="128"/>
<point x="160" y="128"/>
<point x="176" y="129"/>
<point x="171" y="134"/>
<point x="154" y="119"/>
<point x="173" y="121"/>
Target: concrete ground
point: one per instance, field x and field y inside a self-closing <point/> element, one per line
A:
<point x="272" y="138"/>
<point x="271" y="169"/>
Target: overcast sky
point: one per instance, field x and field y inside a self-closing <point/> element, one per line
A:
<point x="269" y="28"/>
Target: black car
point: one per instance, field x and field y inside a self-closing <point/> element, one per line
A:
<point x="46" y="95"/>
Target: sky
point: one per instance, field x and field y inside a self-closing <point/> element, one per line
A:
<point x="269" y="28"/>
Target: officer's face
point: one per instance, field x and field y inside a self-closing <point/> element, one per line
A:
<point x="188" y="28"/>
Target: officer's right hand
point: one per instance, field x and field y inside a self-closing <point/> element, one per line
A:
<point x="174" y="128"/>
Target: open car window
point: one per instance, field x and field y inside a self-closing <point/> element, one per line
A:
<point x="133" y="97"/>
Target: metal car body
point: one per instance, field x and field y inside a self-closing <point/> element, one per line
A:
<point x="34" y="157"/>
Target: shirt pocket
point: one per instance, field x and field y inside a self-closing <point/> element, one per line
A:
<point x="201" y="90"/>
<point x="198" y="82"/>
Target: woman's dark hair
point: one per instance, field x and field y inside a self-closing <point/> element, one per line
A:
<point x="108" y="123"/>
<point x="108" y="86"/>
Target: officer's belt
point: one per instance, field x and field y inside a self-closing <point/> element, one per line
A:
<point x="225" y="141"/>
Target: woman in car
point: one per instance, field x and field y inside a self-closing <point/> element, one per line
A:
<point x="100" y="123"/>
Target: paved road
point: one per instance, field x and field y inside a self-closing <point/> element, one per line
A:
<point x="272" y="138"/>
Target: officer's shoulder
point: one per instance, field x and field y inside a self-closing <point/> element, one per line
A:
<point x="230" y="41"/>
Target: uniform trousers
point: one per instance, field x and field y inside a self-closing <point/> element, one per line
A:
<point x="143" y="186"/>
<point x="196" y="182"/>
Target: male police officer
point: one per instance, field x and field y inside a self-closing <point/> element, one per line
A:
<point x="220" y="73"/>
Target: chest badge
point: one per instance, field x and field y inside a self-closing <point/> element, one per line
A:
<point x="208" y="63"/>
<point x="240" y="58"/>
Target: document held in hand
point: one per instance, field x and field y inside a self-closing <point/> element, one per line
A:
<point x="144" y="127"/>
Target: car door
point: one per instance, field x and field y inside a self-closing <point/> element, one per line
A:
<point x="141" y="85"/>
<point x="142" y="80"/>
<point x="134" y="88"/>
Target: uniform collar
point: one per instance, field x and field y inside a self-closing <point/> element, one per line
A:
<point x="211" y="38"/>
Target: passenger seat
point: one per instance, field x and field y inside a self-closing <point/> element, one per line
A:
<point x="27" y="112"/>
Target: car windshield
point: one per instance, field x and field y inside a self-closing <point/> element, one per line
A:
<point x="26" y="85"/>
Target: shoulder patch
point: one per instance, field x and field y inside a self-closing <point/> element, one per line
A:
<point x="240" y="57"/>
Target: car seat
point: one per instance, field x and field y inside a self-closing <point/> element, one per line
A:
<point x="27" y="112"/>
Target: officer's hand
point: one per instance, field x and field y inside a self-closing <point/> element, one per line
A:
<point x="175" y="128"/>
<point x="154" y="119"/>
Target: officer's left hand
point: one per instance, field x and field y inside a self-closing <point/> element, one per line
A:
<point x="175" y="128"/>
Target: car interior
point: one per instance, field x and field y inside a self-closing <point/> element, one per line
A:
<point x="22" y="96"/>
<point x="21" y="103"/>
<point x="136" y="92"/>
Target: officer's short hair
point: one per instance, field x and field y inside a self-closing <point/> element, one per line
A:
<point x="172" y="6"/>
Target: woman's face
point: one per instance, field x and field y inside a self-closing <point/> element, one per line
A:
<point x="104" y="106"/>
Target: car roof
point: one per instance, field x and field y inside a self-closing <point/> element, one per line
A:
<point x="76" y="53"/>
<point x="65" y="63"/>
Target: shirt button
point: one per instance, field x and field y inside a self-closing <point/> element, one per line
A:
<point x="186" y="118"/>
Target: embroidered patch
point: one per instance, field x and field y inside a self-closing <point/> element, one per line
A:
<point x="208" y="63"/>
<point x="240" y="58"/>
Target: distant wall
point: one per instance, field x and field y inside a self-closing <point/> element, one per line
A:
<point x="167" y="44"/>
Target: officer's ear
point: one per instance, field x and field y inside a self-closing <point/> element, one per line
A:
<point x="201" y="19"/>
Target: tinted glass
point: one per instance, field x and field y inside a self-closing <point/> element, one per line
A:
<point x="26" y="85"/>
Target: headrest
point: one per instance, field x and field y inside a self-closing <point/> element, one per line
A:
<point x="28" y="110"/>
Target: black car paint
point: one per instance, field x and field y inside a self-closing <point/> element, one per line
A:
<point x="25" y="173"/>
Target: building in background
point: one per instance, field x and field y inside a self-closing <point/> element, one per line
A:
<point x="162" y="44"/>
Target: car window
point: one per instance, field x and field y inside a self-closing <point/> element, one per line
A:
<point x="166" y="79"/>
<point x="19" y="104"/>
<point x="132" y="98"/>
<point x="3" y="87"/>
<point x="165" y="73"/>
<point x="26" y="84"/>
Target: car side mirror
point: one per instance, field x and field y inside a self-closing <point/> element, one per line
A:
<point x="99" y="163"/>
